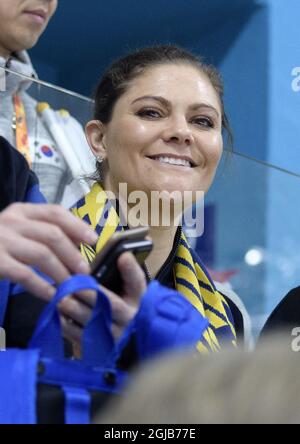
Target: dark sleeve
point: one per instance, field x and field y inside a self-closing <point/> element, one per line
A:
<point x="22" y="314"/>
<point x="16" y="178"/>
<point x="285" y="316"/>
<point x="237" y="319"/>
<point x="17" y="184"/>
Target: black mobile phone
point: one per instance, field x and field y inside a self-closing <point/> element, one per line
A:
<point x="104" y="267"/>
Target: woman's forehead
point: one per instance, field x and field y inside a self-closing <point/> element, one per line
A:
<point x="174" y="82"/>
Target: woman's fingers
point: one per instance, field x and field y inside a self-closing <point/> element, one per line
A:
<point x="58" y="243"/>
<point x="41" y="256"/>
<point x="72" y="226"/>
<point x="16" y="272"/>
<point x="79" y="307"/>
<point x="124" y="307"/>
<point x="88" y="297"/>
<point x="122" y="311"/>
<point x="43" y="236"/>
<point x="71" y="331"/>
<point x="134" y="280"/>
<point x="75" y="310"/>
<point x="116" y="331"/>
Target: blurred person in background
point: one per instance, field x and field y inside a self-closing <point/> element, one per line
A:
<point x="232" y="387"/>
<point x="44" y="137"/>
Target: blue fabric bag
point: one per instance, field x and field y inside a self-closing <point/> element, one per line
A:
<point x="44" y="363"/>
<point x="165" y="320"/>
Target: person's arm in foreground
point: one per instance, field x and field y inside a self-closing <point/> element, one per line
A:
<point x="47" y="237"/>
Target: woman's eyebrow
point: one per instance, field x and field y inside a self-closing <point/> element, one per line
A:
<point x="197" y="106"/>
<point x="159" y="99"/>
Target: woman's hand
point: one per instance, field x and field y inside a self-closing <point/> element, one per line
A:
<point x="44" y="236"/>
<point x="47" y="236"/>
<point x="124" y="307"/>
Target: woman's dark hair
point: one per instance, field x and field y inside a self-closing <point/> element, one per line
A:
<point x="117" y="78"/>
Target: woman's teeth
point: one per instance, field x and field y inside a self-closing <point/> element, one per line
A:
<point x="173" y="161"/>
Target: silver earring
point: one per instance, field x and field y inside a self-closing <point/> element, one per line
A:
<point x="99" y="159"/>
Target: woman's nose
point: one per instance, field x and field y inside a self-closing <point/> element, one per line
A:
<point x="178" y="131"/>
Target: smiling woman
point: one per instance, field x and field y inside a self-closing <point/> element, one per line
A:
<point x="158" y="125"/>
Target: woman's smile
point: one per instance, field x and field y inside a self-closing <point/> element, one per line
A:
<point x="173" y="160"/>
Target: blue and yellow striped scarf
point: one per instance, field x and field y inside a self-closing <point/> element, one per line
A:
<point x="191" y="278"/>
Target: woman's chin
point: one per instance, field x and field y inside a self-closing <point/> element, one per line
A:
<point x="175" y="188"/>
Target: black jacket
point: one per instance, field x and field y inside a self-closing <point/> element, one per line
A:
<point x="284" y="318"/>
<point x="16" y="179"/>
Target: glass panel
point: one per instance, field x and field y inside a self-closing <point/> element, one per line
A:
<point x="79" y="106"/>
<point x="256" y="232"/>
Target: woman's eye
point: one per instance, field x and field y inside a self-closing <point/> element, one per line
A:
<point x="149" y="112"/>
<point x="203" y="121"/>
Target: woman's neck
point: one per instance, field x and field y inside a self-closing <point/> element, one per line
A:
<point x="163" y="239"/>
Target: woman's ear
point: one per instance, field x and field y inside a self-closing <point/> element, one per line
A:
<point x="94" y="131"/>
